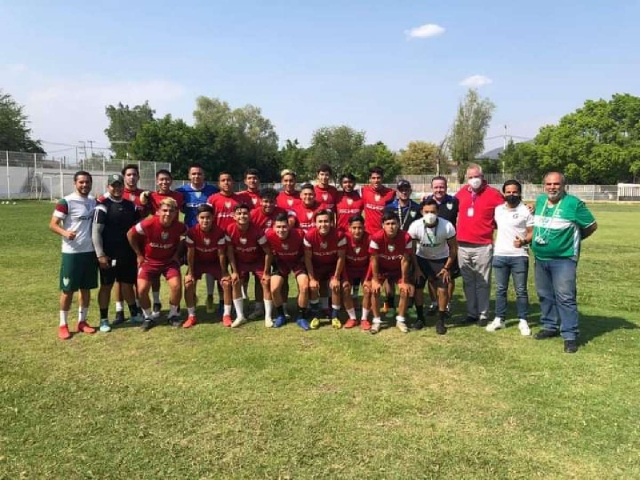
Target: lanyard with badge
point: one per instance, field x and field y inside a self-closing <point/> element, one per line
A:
<point x="431" y="238"/>
<point x="543" y="235"/>
<point x="470" y="210"/>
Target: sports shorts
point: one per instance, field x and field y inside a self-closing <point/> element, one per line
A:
<point x="78" y="271"/>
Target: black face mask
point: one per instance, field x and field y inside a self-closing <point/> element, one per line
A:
<point x="512" y="200"/>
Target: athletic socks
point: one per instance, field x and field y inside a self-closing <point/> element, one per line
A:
<point x="133" y="309"/>
<point x="303" y="312"/>
<point x="268" y="308"/>
<point x="191" y="310"/>
<point x="351" y="312"/>
<point x="174" y="310"/>
<point x="227" y="310"/>
<point x="365" y="313"/>
<point x="82" y="314"/>
<point x="239" y="304"/>
<point x="335" y="311"/>
<point x="104" y="313"/>
<point x="64" y="316"/>
<point x="119" y="307"/>
<point x="156" y="297"/>
<point x="420" y="312"/>
<point x="280" y="310"/>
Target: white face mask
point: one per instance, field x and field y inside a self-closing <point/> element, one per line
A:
<point x="430" y="218"/>
<point x="475" y="183"/>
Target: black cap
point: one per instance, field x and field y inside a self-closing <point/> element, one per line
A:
<point x="403" y="184"/>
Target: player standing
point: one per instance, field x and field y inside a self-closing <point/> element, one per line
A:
<point x="349" y="203"/>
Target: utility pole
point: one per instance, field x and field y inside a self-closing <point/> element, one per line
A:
<point x="91" y="142"/>
<point x="84" y="151"/>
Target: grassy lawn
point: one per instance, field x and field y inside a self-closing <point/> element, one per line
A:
<point x="255" y="403"/>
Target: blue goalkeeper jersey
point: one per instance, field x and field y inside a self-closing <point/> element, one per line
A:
<point x="192" y="199"/>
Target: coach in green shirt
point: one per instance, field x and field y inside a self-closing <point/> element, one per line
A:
<point x="561" y="222"/>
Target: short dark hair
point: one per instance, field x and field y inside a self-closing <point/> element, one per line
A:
<point x="224" y="173"/>
<point x="204" y="208"/>
<point x="348" y="176"/>
<point x="325" y="168"/>
<point x="281" y="217"/>
<point x="389" y="215"/>
<point x="131" y="166"/>
<point x="324" y="211"/>
<point x="307" y="186"/>
<point x="164" y="171"/>
<point x="439" y="177"/>
<point x="356" y="218"/>
<point x="378" y="170"/>
<point x="242" y="206"/>
<point x="428" y="201"/>
<point x="82" y="173"/>
<point x="512" y="182"/>
<point x="252" y="171"/>
<point x="195" y="165"/>
<point x="268" y="194"/>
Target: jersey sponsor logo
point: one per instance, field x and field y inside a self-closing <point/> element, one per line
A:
<point x="164" y="235"/>
<point x="372" y="206"/>
<point x="162" y="246"/>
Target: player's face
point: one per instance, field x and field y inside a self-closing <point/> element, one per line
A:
<point x="242" y="216"/>
<point x="281" y="229"/>
<point x="429" y="209"/>
<point x="357" y="230"/>
<point x="323" y="178"/>
<point x="439" y="188"/>
<point x="167" y="215"/>
<point x="83" y="185"/>
<point x="225" y="183"/>
<point x="131" y="178"/>
<point x="196" y="175"/>
<point x="404" y="194"/>
<point x="289" y="183"/>
<point x="205" y="220"/>
<point x="348" y="185"/>
<point x="323" y="224"/>
<point x="267" y="205"/>
<point x="390" y="228"/>
<point x="553" y="186"/>
<point x="511" y="190"/>
<point x="115" y="190"/>
<point x="164" y="181"/>
<point x="308" y="196"/>
<point x="375" y="180"/>
<point x="252" y="182"/>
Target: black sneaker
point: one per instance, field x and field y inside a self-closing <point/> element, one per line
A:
<point x="570" y="346"/>
<point x="470" y="319"/>
<point x="483" y="321"/>
<point x="119" y="319"/>
<point x="440" y="328"/>
<point x="174" y="321"/>
<point x="417" y="325"/>
<point x="157" y="308"/>
<point x="544" y="334"/>
<point x="147" y="324"/>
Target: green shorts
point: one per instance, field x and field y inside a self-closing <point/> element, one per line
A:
<point x="78" y="271"/>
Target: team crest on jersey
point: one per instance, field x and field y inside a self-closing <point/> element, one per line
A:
<point x="207" y="241"/>
<point x="309" y="215"/>
<point x="227" y="204"/>
<point x="357" y="249"/>
<point x="198" y="194"/>
<point x="377" y="197"/>
<point x="412" y="213"/>
<point x="243" y="240"/>
<point x="323" y="245"/>
<point x="133" y="198"/>
<point x="349" y="201"/>
<point x="325" y="197"/>
<point x="268" y="224"/>
<point x="65" y="281"/>
<point x="164" y="235"/>
<point x="290" y="201"/>
<point x="285" y="246"/>
<point x="254" y="200"/>
<point x="449" y="205"/>
<point x="391" y="248"/>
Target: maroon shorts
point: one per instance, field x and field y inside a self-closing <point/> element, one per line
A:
<point x="323" y="273"/>
<point x="392" y="276"/>
<point x="284" y="269"/>
<point x="151" y="271"/>
<point x="353" y="275"/>
<point x="211" y="268"/>
<point x="244" y="269"/>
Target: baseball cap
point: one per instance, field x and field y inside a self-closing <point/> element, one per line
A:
<point x="115" y="178"/>
<point x="403" y="184"/>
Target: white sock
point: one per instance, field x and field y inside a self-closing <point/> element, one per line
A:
<point x="400" y="319"/>
<point x="119" y="307"/>
<point x="239" y="304"/>
<point x="377" y="320"/>
<point x="146" y="312"/>
<point x="434" y="304"/>
<point x="227" y="310"/>
<point x="137" y="303"/>
<point x="64" y="316"/>
<point x="365" y="313"/>
<point x="335" y="307"/>
<point x="268" y="308"/>
<point x="173" y="310"/>
<point x="351" y="312"/>
<point x="82" y="314"/>
<point x="210" y="284"/>
<point x="191" y="310"/>
<point x="156" y="296"/>
<point x="324" y="303"/>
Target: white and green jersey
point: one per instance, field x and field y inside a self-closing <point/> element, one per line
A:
<point x="76" y="213"/>
<point x="556" y="228"/>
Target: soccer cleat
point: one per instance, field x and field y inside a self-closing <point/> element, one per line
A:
<point x="268" y="322"/>
<point x="496" y="324"/>
<point x="280" y="321"/>
<point x="375" y="328"/>
<point x="315" y="323"/>
<point x="227" y="320"/>
<point x="147" y="324"/>
<point x="523" y="326"/>
<point x="174" y="321"/>
<point x="191" y="322"/>
<point x="104" y="326"/>
<point x="63" y="332"/>
<point x="352" y="322"/>
<point x="365" y="325"/>
<point x="137" y="318"/>
<point x="286" y="313"/>
<point x="570" y="346"/>
<point x="402" y="326"/>
<point x="335" y="323"/>
<point x="440" y="327"/>
<point x="84" y="327"/>
<point x="544" y="334"/>
<point x="258" y="312"/>
<point x="119" y="319"/>
<point x="303" y="324"/>
<point x="157" y="308"/>
<point x="385" y="308"/>
<point x="209" y="304"/>
<point x="418" y="325"/>
<point x="238" y="321"/>
<point x="483" y="321"/>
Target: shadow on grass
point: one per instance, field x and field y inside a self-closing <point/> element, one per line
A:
<point x="593" y="326"/>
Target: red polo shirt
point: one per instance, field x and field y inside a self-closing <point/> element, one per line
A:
<point x="475" y="220"/>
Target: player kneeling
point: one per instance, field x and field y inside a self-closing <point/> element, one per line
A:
<point x="287" y="246"/>
<point x="206" y="254"/>
<point x="356" y="266"/>
<point x="390" y="250"/>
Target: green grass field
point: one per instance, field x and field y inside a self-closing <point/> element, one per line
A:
<point x="255" y="403"/>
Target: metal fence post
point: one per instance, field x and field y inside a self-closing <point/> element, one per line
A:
<point x="8" y="177"/>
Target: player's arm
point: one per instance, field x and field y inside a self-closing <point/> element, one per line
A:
<point x="417" y="271"/>
<point x="55" y="225"/>
<point x="268" y="261"/>
<point x="97" y="227"/>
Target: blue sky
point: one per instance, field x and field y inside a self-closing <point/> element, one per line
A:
<point x="310" y="64"/>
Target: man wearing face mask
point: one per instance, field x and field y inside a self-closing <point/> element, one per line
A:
<point x="561" y="222"/>
<point x="511" y="256"/>
<point x="478" y="202"/>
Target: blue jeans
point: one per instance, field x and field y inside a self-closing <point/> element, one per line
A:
<point x="518" y="269"/>
<point x="556" y="286"/>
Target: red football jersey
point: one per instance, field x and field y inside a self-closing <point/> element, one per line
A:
<point x="253" y="197"/>
<point x="156" y="197"/>
<point x="304" y="215"/>
<point x="373" y="205"/>
<point x="357" y="254"/>
<point x="224" y="207"/>
<point x="390" y="250"/>
<point x="264" y="221"/>
<point x="348" y="205"/>
<point x="206" y="244"/>
<point x="287" y="201"/>
<point x="288" y="252"/>
<point x="160" y="243"/>
<point x="324" y="249"/>
<point x="327" y="197"/>
<point x="247" y="245"/>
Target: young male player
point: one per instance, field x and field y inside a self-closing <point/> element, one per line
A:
<point x="349" y="202"/>
<point x="288" y="196"/>
<point x="161" y="234"/>
<point x="324" y="258"/>
<point x="252" y="181"/>
<point x="302" y="215"/>
<point x="71" y="220"/>
<point x="356" y="266"/>
<point x="326" y="194"/>
<point x="206" y="254"/>
<point x="264" y="215"/>
<point x="391" y="251"/>
<point x="287" y="246"/>
<point x="374" y="197"/>
<point x="224" y="202"/>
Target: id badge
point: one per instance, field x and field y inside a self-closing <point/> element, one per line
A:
<point x="540" y="241"/>
<point x="470" y="212"/>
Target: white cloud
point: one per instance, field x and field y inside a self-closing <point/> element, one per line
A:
<point x="425" y="31"/>
<point x="476" y="81"/>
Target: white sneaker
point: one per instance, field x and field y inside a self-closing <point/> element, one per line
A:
<point x="268" y="322"/>
<point x="238" y="321"/>
<point x="496" y="324"/>
<point x="523" y="326"/>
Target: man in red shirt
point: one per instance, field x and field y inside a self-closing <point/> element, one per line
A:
<point x="252" y="181"/>
<point x="265" y="214"/>
<point x="206" y="254"/>
<point x="326" y="195"/>
<point x="478" y="202"/>
<point x="246" y="250"/>
<point x="224" y="202"/>
<point x="391" y="251"/>
<point x="288" y="196"/>
<point x="356" y="266"/>
<point x="302" y="215"/>
<point x="349" y="202"/>
<point x="161" y="236"/>
<point x="287" y="246"/>
<point x="324" y="258"/>
<point x="374" y="197"/>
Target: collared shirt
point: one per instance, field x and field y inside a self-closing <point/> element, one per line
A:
<point x="475" y="222"/>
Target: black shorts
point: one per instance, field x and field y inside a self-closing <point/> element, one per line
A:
<point x="430" y="270"/>
<point x="124" y="271"/>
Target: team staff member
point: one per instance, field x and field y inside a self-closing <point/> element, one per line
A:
<point x="478" y="202"/>
<point x="161" y="235"/>
<point x="561" y="222"/>
<point x="71" y="220"/>
<point x="349" y="203"/>
<point x="114" y="216"/>
<point x="407" y="209"/>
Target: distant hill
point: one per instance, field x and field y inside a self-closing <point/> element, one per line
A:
<point x="494" y="154"/>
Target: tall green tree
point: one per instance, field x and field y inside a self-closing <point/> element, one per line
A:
<point x="294" y="157"/>
<point x="338" y="147"/>
<point x="124" y="124"/>
<point x="376" y="155"/>
<point x="15" y="134"/>
<point x="419" y="158"/>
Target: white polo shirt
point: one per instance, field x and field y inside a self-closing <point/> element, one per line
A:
<point x="432" y="241"/>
